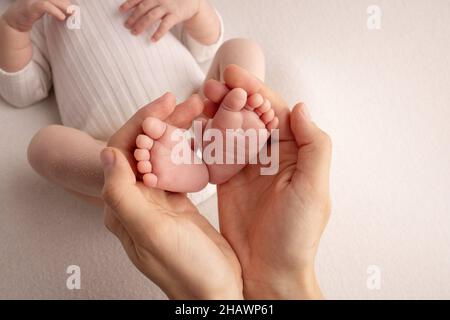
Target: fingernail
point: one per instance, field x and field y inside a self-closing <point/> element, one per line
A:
<point x="107" y="157"/>
<point x="305" y="112"/>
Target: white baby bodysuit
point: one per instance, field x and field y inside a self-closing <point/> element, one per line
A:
<point x="101" y="73"/>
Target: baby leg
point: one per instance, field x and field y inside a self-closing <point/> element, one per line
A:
<point x="69" y="158"/>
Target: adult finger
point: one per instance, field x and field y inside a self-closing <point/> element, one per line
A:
<point x="210" y="109"/>
<point x="123" y="197"/>
<point x="186" y="112"/>
<point x="215" y="91"/>
<point x="314" y="155"/>
<point x="125" y="138"/>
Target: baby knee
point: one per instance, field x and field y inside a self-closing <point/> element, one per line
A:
<point x="243" y="45"/>
<point x="40" y="151"/>
<point x="245" y="53"/>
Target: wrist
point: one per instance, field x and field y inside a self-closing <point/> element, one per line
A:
<point x="4" y="22"/>
<point x="204" y="26"/>
<point x="229" y="290"/>
<point x="7" y="21"/>
<point x="299" y="285"/>
<point x="226" y="294"/>
<point x="201" y="7"/>
<point x="15" y="47"/>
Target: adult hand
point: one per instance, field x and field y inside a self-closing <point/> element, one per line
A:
<point x="163" y="233"/>
<point x="274" y="223"/>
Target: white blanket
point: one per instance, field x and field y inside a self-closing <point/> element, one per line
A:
<point x="382" y="95"/>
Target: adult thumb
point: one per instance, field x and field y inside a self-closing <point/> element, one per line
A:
<point x="118" y="176"/>
<point x="314" y="155"/>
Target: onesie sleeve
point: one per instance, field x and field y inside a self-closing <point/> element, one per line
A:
<point x="202" y="53"/>
<point x="33" y="83"/>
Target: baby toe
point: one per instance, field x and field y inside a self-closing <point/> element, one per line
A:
<point x="150" y="180"/>
<point x="272" y="125"/>
<point x="235" y="100"/>
<point x="142" y="155"/>
<point x="255" y="101"/>
<point x="144" y="167"/>
<point x="268" y="116"/>
<point x="265" y="107"/>
<point x="144" y="142"/>
<point x="154" y="128"/>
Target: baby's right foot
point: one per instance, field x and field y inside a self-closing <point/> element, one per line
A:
<point x="156" y="163"/>
<point x="238" y="111"/>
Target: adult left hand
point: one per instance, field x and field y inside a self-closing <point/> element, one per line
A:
<point x="163" y="233"/>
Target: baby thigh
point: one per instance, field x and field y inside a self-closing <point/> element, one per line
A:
<point x="69" y="158"/>
<point x="242" y="52"/>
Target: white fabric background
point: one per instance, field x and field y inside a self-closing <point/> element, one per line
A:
<point x="382" y="95"/>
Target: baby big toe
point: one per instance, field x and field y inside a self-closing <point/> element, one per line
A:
<point x="154" y="128"/>
<point x="235" y="100"/>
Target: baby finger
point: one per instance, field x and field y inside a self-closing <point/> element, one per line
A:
<point x="148" y="20"/>
<point x="166" y="24"/>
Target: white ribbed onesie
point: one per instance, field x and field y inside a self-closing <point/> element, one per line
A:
<point x="101" y="73"/>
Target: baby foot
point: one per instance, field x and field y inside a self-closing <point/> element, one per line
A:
<point x="155" y="157"/>
<point x="239" y="111"/>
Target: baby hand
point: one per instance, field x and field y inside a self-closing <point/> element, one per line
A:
<point x="147" y="12"/>
<point x="23" y="14"/>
